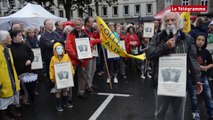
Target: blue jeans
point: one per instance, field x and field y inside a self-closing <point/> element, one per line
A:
<point x="207" y="96"/>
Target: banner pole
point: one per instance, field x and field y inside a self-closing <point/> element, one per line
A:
<point x="105" y="60"/>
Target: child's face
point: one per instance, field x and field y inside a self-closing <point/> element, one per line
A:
<point x="200" y="41"/>
<point x="59" y="50"/>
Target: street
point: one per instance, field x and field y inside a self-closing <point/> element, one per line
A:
<point x="130" y="99"/>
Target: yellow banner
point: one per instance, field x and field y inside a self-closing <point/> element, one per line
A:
<point x="111" y="43"/>
<point x="187" y="23"/>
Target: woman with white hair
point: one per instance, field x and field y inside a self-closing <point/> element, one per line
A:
<point x="67" y="30"/>
<point x="9" y="84"/>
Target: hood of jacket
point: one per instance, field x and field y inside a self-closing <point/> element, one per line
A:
<point x="54" y="48"/>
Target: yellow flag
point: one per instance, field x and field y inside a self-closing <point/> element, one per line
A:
<point x="110" y="42"/>
<point x="187" y="23"/>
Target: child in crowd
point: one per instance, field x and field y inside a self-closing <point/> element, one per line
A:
<point x="205" y="60"/>
<point x="59" y="57"/>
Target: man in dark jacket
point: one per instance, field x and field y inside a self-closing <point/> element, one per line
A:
<point x="200" y="27"/>
<point x="171" y="40"/>
<point x="47" y="40"/>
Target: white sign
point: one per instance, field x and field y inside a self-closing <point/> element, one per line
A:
<point x="172" y="75"/>
<point x="123" y="45"/>
<point x="63" y="75"/>
<point x="95" y="51"/>
<point x="148" y="30"/>
<point x="37" y="62"/>
<point x="111" y="54"/>
<point x="83" y="48"/>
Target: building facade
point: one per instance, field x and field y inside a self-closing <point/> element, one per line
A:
<point x="122" y="11"/>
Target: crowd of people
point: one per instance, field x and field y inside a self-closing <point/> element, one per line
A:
<point x="16" y="57"/>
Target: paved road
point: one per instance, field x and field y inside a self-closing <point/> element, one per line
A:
<point x="138" y="106"/>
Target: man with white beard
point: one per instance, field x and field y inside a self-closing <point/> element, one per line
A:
<point x="171" y="40"/>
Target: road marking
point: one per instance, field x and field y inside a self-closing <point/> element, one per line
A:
<point x="105" y="103"/>
<point x="120" y="95"/>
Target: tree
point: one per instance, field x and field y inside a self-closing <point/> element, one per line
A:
<point x="70" y="5"/>
<point x="109" y="2"/>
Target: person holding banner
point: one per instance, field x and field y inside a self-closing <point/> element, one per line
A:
<point x="113" y="63"/>
<point x="60" y="57"/>
<point x="168" y="43"/>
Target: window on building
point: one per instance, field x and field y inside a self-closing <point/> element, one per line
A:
<point x="90" y="11"/>
<point x="4" y="3"/>
<point x="61" y="13"/>
<point x="5" y="13"/>
<point x="126" y="10"/>
<point x="104" y="11"/>
<point x="80" y="13"/>
<point x="71" y="14"/>
<point x="185" y="2"/>
<point x="137" y="9"/>
<point x="52" y="12"/>
<point x="168" y="3"/>
<point x="115" y="11"/>
<point x="204" y="2"/>
<point x="59" y="2"/>
<point x="148" y="8"/>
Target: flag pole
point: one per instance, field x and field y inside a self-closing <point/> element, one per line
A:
<point x="107" y="68"/>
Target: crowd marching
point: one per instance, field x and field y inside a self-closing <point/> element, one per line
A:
<point x="59" y="45"/>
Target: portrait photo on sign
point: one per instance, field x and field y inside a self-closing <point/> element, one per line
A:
<point x="83" y="48"/>
<point x="63" y="75"/>
<point x="148" y="30"/>
<point x="37" y="62"/>
<point x="171" y="75"/>
<point x="36" y="59"/>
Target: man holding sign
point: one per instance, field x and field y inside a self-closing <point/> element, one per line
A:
<point x="174" y="46"/>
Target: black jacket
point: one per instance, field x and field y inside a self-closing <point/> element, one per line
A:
<point x="21" y="53"/>
<point x="184" y="44"/>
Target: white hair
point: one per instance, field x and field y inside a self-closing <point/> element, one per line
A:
<point x="79" y="19"/>
<point x="111" y="24"/>
<point x="68" y="27"/>
<point x="3" y="36"/>
<point x="179" y="20"/>
<point x="15" y="26"/>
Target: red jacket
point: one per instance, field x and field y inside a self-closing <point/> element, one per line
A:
<point x="122" y="36"/>
<point x="93" y="36"/>
<point x="129" y="39"/>
<point x="70" y="47"/>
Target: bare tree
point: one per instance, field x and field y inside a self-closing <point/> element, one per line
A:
<point x="70" y="5"/>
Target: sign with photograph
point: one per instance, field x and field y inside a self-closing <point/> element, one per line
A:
<point x="83" y="48"/>
<point x="148" y="30"/>
<point x="63" y="75"/>
<point x="37" y="62"/>
<point x="172" y="75"/>
<point x="95" y="51"/>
